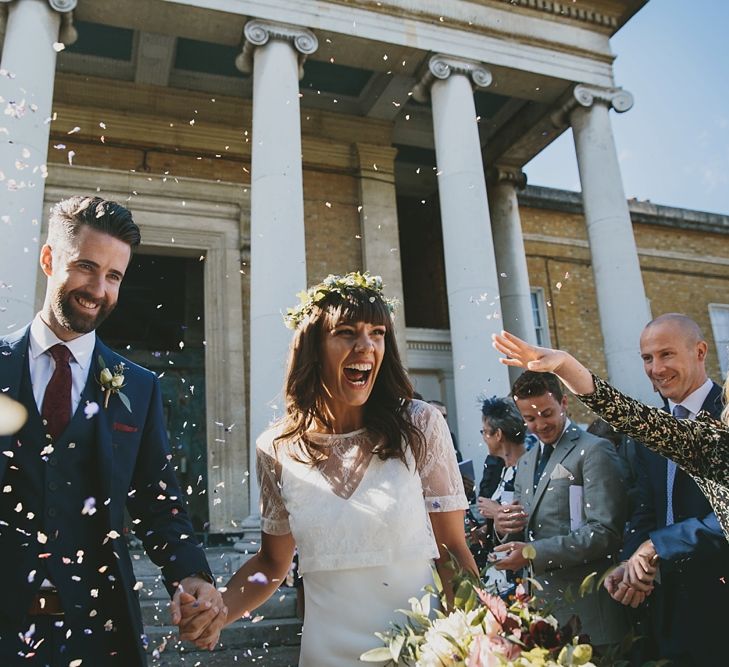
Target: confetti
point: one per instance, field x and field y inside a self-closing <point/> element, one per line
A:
<point x="91" y="409"/>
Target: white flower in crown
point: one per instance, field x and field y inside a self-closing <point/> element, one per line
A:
<point x="312" y="297"/>
<point x="112" y="382"/>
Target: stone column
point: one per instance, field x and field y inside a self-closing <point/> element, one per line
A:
<point x="379" y="227"/>
<point x="274" y="53"/>
<point x="472" y="283"/>
<point x="33" y="29"/>
<point x="516" y="297"/>
<point x="621" y="296"/>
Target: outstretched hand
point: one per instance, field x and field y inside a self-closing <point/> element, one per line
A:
<point x="523" y="355"/>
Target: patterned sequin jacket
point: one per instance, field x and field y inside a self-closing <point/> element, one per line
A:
<point x="700" y="447"/>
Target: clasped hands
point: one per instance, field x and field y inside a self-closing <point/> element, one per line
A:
<point x="632" y="581"/>
<point x="197" y="608"/>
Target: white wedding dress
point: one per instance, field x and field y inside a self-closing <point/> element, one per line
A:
<point x="362" y="530"/>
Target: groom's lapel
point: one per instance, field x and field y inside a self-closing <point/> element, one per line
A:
<point x="105" y="418"/>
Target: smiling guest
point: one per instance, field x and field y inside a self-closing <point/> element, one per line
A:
<point x="87" y="451"/>
<point x="569" y="504"/>
<point x="358" y="475"/>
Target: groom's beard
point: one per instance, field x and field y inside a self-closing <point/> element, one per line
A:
<point x="70" y="315"/>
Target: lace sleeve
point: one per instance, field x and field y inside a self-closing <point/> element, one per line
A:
<point x="274" y="516"/>
<point x="438" y="468"/>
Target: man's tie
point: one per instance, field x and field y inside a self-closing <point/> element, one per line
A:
<point x="56" y="411"/>
<point x="680" y="413"/>
<point x="543" y="458"/>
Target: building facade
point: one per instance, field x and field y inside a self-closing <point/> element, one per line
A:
<point x="263" y="145"/>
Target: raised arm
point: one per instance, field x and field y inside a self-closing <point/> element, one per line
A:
<point x="575" y="376"/>
<point x="701" y="447"/>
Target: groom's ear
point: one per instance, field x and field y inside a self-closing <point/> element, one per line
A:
<point x="46" y="259"/>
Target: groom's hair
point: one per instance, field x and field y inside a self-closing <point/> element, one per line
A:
<point x="532" y="383"/>
<point x="68" y="216"/>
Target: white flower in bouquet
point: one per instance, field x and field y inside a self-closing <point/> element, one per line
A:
<point x="447" y="637"/>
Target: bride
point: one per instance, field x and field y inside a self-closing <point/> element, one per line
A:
<point x="357" y="475"/>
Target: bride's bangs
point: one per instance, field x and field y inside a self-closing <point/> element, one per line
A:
<point x="358" y="305"/>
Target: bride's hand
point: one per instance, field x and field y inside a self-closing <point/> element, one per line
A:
<point x="523" y="355"/>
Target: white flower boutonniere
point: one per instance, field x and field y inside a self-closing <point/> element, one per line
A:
<point x="112" y="382"/>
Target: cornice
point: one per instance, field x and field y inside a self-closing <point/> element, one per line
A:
<point x="567" y="10"/>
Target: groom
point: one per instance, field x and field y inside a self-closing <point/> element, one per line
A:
<point x="93" y="444"/>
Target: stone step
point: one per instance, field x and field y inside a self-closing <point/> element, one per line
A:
<point x="155" y="611"/>
<point x="274" y="656"/>
<point x="240" y="635"/>
<point x="223" y="561"/>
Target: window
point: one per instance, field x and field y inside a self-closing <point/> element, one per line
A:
<point x="719" y="314"/>
<point x="539" y="311"/>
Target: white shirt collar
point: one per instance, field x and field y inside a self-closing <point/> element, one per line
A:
<point x="695" y="399"/>
<point x="567" y="424"/>
<point x="42" y="339"/>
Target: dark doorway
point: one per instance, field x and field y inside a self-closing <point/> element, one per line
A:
<point x="159" y="324"/>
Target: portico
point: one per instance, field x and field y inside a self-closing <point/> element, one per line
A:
<point x="330" y="133"/>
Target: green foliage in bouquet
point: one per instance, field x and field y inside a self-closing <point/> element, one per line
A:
<point x="480" y="630"/>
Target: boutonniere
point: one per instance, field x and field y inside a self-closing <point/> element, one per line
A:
<point x="112" y="382"/>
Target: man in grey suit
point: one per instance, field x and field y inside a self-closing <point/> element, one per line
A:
<point x="570" y="505"/>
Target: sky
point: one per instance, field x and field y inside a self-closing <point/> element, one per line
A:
<point x="673" y="145"/>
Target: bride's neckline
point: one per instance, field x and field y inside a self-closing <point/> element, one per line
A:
<point x="324" y="437"/>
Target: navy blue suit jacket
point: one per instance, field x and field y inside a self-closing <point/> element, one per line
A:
<point x="693" y="552"/>
<point x="135" y="470"/>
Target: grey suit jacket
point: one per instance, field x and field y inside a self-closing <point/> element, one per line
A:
<point x="565" y="556"/>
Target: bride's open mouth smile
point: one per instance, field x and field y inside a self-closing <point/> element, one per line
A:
<point x="358" y="375"/>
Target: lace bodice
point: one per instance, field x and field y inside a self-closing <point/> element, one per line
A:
<point x="353" y="509"/>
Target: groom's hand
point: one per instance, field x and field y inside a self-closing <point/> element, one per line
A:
<point x="198" y="609"/>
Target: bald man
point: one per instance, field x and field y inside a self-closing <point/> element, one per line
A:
<point x="677" y="559"/>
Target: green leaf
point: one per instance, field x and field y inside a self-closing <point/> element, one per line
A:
<point x="588" y="584"/>
<point x="125" y="401"/>
<point x="101" y="362"/>
<point x="380" y="654"/>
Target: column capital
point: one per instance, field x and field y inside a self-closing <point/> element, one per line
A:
<point x="63" y="6"/>
<point x="441" y="66"/>
<point x="68" y="34"/>
<point x="585" y="96"/>
<point x="501" y="174"/>
<point x="258" y="32"/>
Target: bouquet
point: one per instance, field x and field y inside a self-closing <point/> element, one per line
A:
<point x="480" y="630"/>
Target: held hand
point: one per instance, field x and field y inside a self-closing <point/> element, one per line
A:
<point x="487" y="508"/>
<point x="514" y="559"/>
<point x="629" y="596"/>
<point x="510" y="518"/>
<point x="520" y="353"/>
<point x="198" y="609"/>
<point x="641" y="568"/>
<point x="614" y="579"/>
<point x="620" y="590"/>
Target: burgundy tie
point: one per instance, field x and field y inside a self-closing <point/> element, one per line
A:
<point x="56" y="411"/>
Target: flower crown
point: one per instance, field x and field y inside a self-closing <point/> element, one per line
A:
<point x="312" y="297"/>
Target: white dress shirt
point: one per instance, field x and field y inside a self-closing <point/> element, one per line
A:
<point x="42" y="364"/>
<point x="694" y="400"/>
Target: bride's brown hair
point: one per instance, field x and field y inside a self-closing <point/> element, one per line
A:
<point x="385" y="412"/>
